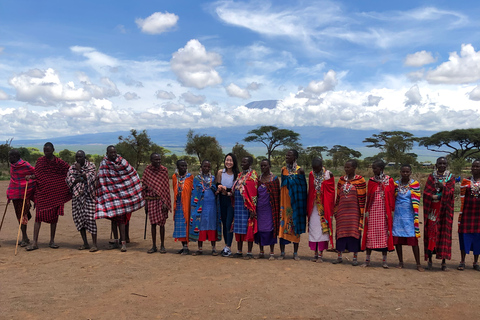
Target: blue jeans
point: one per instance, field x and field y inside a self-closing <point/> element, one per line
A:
<point x="226" y="210"/>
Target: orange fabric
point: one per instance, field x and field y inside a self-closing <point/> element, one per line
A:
<point x="186" y="196"/>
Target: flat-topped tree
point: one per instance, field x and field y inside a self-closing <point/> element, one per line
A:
<point x="272" y="137"/>
<point x="459" y="143"/>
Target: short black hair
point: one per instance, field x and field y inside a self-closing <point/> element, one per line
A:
<point x="295" y="153"/>
<point x="49" y="144"/>
<point x="268" y="161"/>
<point x="206" y="160"/>
<point x="406" y="165"/>
<point x="111" y="146"/>
<point x="250" y="159"/>
<point x="180" y="161"/>
<point x="379" y="163"/>
<point x="80" y="151"/>
<point x="153" y="154"/>
<point x="354" y="163"/>
<point x="317" y="161"/>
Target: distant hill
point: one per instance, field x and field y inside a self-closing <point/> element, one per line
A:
<point x="174" y="139"/>
<point x="264" y="104"/>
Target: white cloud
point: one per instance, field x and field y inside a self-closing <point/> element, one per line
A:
<point x="475" y="94"/>
<point x="235" y="91"/>
<point x="131" y="96"/>
<point x="419" y="59"/>
<point x="413" y="96"/>
<point x="195" y="67"/>
<point x="95" y="58"/>
<point x="161" y="94"/>
<point x="459" y="69"/>
<point x="254" y="86"/>
<point x="373" y="100"/>
<point x="157" y="23"/>
<point x="121" y="28"/>
<point x="173" y="106"/>
<point x="191" y="98"/>
<point x="3" y="95"/>
<point x="327" y="84"/>
<point x="44" y="88"/>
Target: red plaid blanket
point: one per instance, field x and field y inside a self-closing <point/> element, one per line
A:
<point x="52" y="190"/>
<point x="156" y="180"/>
<point x="82" y="187"/>
<point x="16" y="188"/>
<point x="119" y="191"/>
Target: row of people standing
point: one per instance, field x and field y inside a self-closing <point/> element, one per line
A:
<point x="254" y="208"/>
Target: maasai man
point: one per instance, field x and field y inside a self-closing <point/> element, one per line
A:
<point x="19" y="169"/>
<point x="406" y="230"/>
<point x="205" y="222"/>
<point x="469" y="217"/>
<point x="349" y="208"/>
<point x="182" y="183"/>
<point x="321" y="200"/>
<point x="245" y="206"/>
<point x="81" y="179"/>
<point x="438" y="200"/>
<point x="293" y="204"/>
<point x="51" y="193"/>
<point x="157" y="196"/>
<point x="119" y="193"/>
<point x="377" y="233"/>
<point x="268" y="209"/>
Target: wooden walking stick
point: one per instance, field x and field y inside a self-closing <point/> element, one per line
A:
<point x="146" y="218"/>
<point x="6" y="206"/>
<point x="21" y="216"/>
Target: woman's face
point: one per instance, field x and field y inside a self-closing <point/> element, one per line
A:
<point x="228" y="162"/>
<point x="405" y="172"/>
<point x="289" y="157"/>
<point x="377" y="170"/>
<point x="264" y="167"/>
<point x="317" y="168"/>
<point x="245" y="164"/>
<point x="441" y="165"/>
<point x="349" y="169"/>
<point x="206" y="167"/>
<point x="182" y="168"/>
<point x="476" y="168"/>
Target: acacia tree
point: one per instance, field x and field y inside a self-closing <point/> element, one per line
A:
<point x="240" y="152"/>
<point x="393" y="145"/>
<point x="67" y="156"/>
<point x="340" y="154"/>
<point x="4" y="149"/>
<point x="459" y="143"/>
<point x="205" y="148"/>
<point x="137" y="147"/>
<point x="273" y="137"/>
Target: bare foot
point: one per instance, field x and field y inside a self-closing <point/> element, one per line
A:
<point x="420" y="268"/>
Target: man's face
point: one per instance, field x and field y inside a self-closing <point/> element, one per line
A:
<point x="112" y="154"/>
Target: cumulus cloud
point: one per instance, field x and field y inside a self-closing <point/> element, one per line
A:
<point x="173" y="106"/>
<point x="327" y="84"/>
<point x="419" y="59"/>
<point x="475" y="94"/>
<point x="373" y="100"/>
<point x="157" y="23"/>
<point x="134" y="83"/>
<point x="235" y="91"/>
<point x="413" y="96"/>
<point x="131" y="96"/>
<point x="44" y="88"/>
<point x="195" y="67"/>
<point x="165" y="95"/>
<point x="3" y="95"/>
<point x="254" y="86"/>
<point x="191" y="98"/>
<point x="459" y="69"/>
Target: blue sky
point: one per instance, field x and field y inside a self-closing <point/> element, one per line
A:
<point x="71" y="67"/>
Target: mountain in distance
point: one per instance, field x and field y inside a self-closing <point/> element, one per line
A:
<point x="264" y="104"/>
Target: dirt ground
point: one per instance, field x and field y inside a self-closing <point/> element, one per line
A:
<point x="67" y="283"/>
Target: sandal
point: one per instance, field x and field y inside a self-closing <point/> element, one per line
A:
<point x="237" y="255"/>
<point x="260" y="256"/>
<point x="112" y="246"/>
<point x="355" y="263"/>
<point x="197" y="253"/>
<point x="53" y="245"/>
<point x="444" y="267"/>
<point x="314" y="259"/>
<point x="248" y="256"/>
<point x="152" y="250"/>
<point x="31" y="248"/>
<point x="162" y="250"/>
<point x="420" y="268"/>
<point x="214" y="253"/>
<point x="93" y="249"/>
<point x="476" y="267"/>
<point x="296" y="257"/>
<point x="272" y="257"/>
<point x="24" y="243"/>
<point x="461" y="266"/>
<point x="185" y="252"/>
<point x="83" y="247"/>
<point x="124" y="247"/>
<point x="319" y="260"/>
<point x="180" y="251"/>
<point x="430" y="266"/>
<point x="337" y="261"/>
<point x="384" y="265"/>
<point x="282" y="256"/>
<point x="400" y="266"/>
<point x="366" y="264"/>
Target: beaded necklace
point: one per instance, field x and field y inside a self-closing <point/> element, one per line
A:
<point x="442" y="178"/>
<point x="292" y="169"/>
<point x="474" y="187"/>
<point x="347" y="186"/>
<point x="403" y="188"/>
<point x="318" y="179"/>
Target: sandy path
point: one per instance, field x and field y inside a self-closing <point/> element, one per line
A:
<point x="67" y="283"/>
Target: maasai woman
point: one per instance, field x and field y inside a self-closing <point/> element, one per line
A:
<point x="205" y="222"/>
<point x="438" y="198"/>
<point x="157" y="199"/>
<point x="182" y="183"/>
<point x="377" y="233"/>
<point x="225" y="180"/>
<point x="245" y="202"/>
<point x="293" y="204"/>
<point x="349" y="206"/>
<point x="268" y="209"/>
<point x="469" y="217"/>
<point x="406" y="230"/>
<point x="321" y="199"/>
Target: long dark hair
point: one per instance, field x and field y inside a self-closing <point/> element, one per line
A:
<point x="235" y="165"/>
